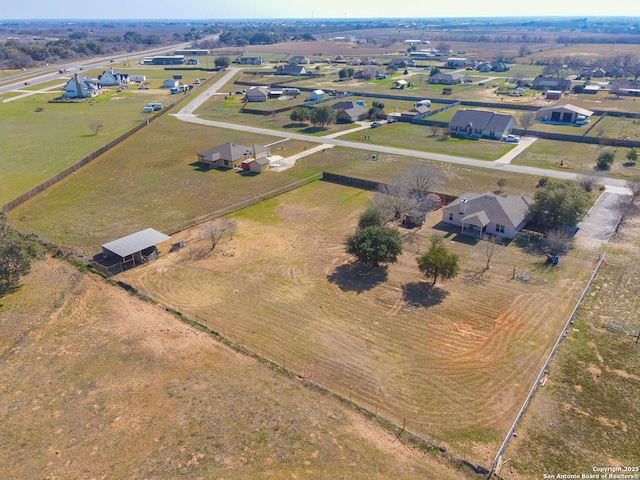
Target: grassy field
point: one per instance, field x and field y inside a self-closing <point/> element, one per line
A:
<point x="40" y="139"/>
<point x="97" y="383"/>
<point x="574" y="157"/>
<point x="585" y="415"/>
<point x="419" y="137"/>
<point x="454" y="360"/>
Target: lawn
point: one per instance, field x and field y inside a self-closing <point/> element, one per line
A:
<point x="40" y="139"/>
<point x="454" y="361"/>
<point x="573" y="157"/>
<point x="419" y="137"/>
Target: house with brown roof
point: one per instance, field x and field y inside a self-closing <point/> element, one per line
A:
<point x="480" y="214"/>
<point x="231" y="155"/>
<point x="416" y="113"/>
<point x="481" y="124"/>
<point x="445" y="79"/>
<point x="349" y="112"/>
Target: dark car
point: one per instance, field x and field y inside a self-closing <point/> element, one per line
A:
<point x="376" y="124"/>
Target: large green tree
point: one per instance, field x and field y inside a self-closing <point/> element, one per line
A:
<point x="439" y="262"/>
<point x="322" y="115"/>
<point x="375" y="245"/>
<point x="559" y="204"/>
<point x="373" y="216"/>
<point x="300" y="115"/>
<point x="15" y="256"/>
<point x="222" y="62"/>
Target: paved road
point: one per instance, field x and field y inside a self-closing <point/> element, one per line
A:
<point x="601" y="221"/>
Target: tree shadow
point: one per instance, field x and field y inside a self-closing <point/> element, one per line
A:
<point x="312" y="130"/>
<point x="200" y="167"/>
<point x="423" y="294"/>
<point x="358" y="277"/>
<point x="295" y="125"/>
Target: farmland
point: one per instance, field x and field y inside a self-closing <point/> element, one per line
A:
<point x="101" y="382"/>
<point x="453" y="365"/>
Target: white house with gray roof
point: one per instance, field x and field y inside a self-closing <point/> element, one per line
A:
<point x="481" y="214"/>
<point x="481" y="124"/>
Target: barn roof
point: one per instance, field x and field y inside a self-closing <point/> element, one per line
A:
<point x="135" y="242"/>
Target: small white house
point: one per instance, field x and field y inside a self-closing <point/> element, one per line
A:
<point x="109" y="78"/>
<point x="316" y="95"/>
<point x="138" y="78"/>
<point x="171" y="83"/>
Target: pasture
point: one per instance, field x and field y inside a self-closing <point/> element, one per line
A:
<point x="587" y="412"/>
<point x="454" y="361"/>
<point x="97" y="383"/>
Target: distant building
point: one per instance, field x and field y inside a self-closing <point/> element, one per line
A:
<point x="80" y="86"/>
<point x="109" y="78"/>
<point x="165" y="60"/>
<point x="230" y="155"/>
<point x="191" y="52"/>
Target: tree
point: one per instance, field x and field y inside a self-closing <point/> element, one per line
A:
<point x="559" y="239"/>
<point x="347" y="72"/>
<point x="623" y="208"/>
<point x="214" y="231"/>
<point x="489" y="249"/>
<point x="587" y="180"/>
<point x="96" y="127"/>
<point x="632" y="155"/>
<point x="439" y="262"/>
<point x="419" y="181"/>
<point x="373" y="216"/>
<point x="376" y="111"/>
<point x="16" y="254"/>
<point x="322" y="115"/>
<point x="222" y="62"/>
<point x="559" y="204"/>
<point x="605" y="160"/>
<point x="392" y="201"/>
<point x="501" y="183"/>
<point x="300" y="115"/>
<point x="527" y="119"/>
<point x="375" y="245"/>
<point x="633" y="184"/>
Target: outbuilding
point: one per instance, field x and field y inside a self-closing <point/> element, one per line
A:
<point x="137" y="248"/>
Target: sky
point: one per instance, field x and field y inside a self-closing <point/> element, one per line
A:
<point x="306" y="9"/>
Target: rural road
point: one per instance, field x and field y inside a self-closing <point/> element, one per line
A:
<point x="597" y="226"/>
<point x="186" y="114"/>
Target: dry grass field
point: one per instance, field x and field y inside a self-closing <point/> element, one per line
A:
<point x="99" y="384"/>
<point x="586" y="415"/>
<point x="453" y="361"/>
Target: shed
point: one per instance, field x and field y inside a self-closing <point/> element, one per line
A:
<point x="553" y="95"/>
<point x="171" y="83"/>
<point x="139" y="247"/>
<point x="316" y="95"/>
<point x="259" y="165"/>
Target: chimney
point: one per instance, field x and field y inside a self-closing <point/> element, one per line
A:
<point x="463" y="206"/>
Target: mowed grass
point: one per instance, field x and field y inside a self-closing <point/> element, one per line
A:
<point x="454" y="361"/>
<point x="99" y="383"/>
<point x="418" y="137"/>
<point x="574" y="157"/>
<point x="587" y="413"/>
<point x="39" y="144"/>
<point x="153" y="180"/>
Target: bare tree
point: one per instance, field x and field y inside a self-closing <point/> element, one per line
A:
<point x="588" y="179"/>
<point x="527" y="119"/>
<point x="392" y="200"/>
<point x="96" y="127"/>
<point x="559" y="239"/>
<point x="419" y="181"/>
<point x="214" y="231"/>
<point x="633" y="184"/>
<point x="489" y="249"/>
<point x="624" y="208"/>
<point x="501" y="183"/>
<point x="435" y="130"/>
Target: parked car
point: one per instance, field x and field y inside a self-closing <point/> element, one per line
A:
<point x="510" y="138"/>
<point x="481" y="84"/>
<point x="494" y="85"/>
<point x="143" y="87"/>
<point x="392" y="120"/>
<point x="376" y="124"/>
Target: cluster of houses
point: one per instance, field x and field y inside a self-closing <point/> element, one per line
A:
<point x="80" y="86"/>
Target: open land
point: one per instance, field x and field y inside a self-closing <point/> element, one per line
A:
<point x="454" y="361"/>
<point x="113" y="379"/>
